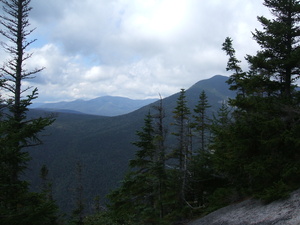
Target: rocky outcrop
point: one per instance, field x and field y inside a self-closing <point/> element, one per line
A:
<point x="250" y="212"/>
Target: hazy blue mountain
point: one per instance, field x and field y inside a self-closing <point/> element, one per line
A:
<point x="103" y="106"/>
<point x="103" y="144"/>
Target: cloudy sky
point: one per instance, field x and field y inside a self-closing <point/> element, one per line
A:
<point x="135" y="48"/>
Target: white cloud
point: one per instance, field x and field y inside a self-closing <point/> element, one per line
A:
<point x="135" y="48"/>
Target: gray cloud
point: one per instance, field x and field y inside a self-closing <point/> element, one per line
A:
<point x="135" y="48"/>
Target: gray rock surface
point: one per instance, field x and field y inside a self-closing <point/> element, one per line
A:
<point x="250" y="212"/>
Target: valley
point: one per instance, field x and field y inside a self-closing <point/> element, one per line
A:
<point x="102" y="145"/>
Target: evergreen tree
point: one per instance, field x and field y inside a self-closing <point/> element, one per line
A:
<point x="160" y="132"/>
<point x="222" y="145"/>
<point x="261" y="145"/>
<point x="182" y="152"/>
<point x="17" y="204"/>
<point x="201" y="121"/>
<point x="236" y="80"/>
<point x="278" y="59"/>
<point x="47" y="193"/>
<point x="137" y="200"/>
<point x="200" y="164"/>
<point x="78" y="212"/>
<point x="46" y="183"/>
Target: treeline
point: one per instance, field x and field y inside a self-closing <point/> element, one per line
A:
<point x="169" y="181"/>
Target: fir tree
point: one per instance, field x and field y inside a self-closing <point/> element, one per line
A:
<point x="17" y="204"/>
<point x="137" y="200"/>
<point x="201" y="121"/>
<point x="236" y="80"/>
<point x="182" y="152"/>
<point x="160" y="132"/>
<point x="261" y="145"/>
<point x="278" y="58"/>
<point x="200" y="164"/>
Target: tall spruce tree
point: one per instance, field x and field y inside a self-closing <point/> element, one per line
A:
<point x="181" y="115"/>
<point x="17" y="204"/>
<point x="160" y="132"/>
<point x="78" y="212"/>
<point x="137" y="200"/>
<point x="278" y="59"/>
<point x="201" y="121"/>
<point x="199" y="167"/>
<point x="182" y="151"/>
<point x="222" y="144"/>
<point x="264" y="139"/>
<point x="236" y="80"/>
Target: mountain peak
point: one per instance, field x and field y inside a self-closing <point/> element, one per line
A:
<point x="103" y="106"/>
<point x="116" y="105"/>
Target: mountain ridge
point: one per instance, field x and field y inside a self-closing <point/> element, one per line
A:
<point x="103" y="144"/>
<point x="103" y="106"/>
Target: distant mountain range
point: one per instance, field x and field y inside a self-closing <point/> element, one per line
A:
<point x="103" y="144"/>
<point x="102" y="106"/>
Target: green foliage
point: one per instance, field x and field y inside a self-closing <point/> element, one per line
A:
<point x="138" y="200"/>
<point x="146" y="154"/>
<point x="221" y="197"/>
<point x="236" y="80"/>
<point x="181" y="153"/>
<point x="133" y="202"/>
<point x="181" y="115"/>
<point x="17" y="131"/>
<point x="32" y="209"/>
<point x="203" y="181"/>
<point x="276" y="191"/>
<point x="201" y="123"/>
<point x="153" y="193"/>
<point x="109" y="144"/>
<point x="254" y="150"/>
<point x="279" y="54"/>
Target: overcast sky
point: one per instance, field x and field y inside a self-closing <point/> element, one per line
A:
<point x="135" y="48"/>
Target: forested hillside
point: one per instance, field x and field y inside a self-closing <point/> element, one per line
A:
<point x="103" y="145"/>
